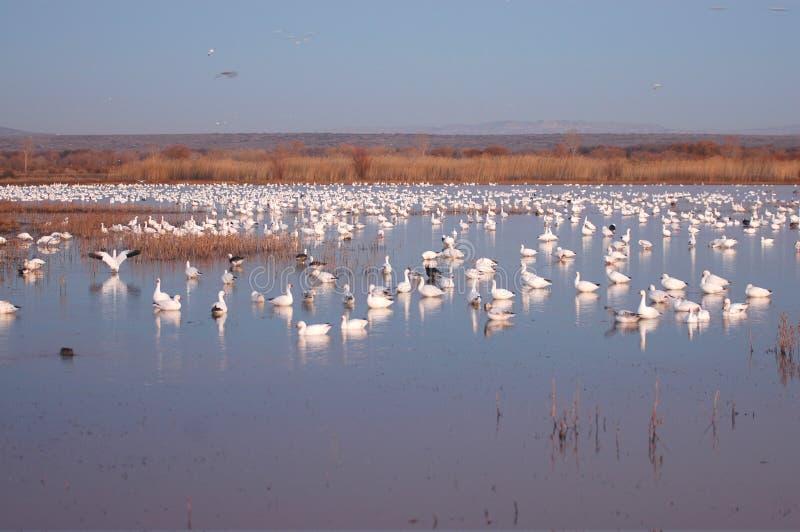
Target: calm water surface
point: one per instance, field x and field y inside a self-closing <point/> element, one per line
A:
<point x="399" y="427"/>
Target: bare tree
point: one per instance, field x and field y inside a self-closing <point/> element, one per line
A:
<point x="27" y="150"/>
<point x="423" y="143"/>
<point x="572" y="140"/>
<point x="361" y="162"/>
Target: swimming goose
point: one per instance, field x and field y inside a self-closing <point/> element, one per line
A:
<point x="317" y="329"/>
<point x="114" y="261"/>
<point x="617" y="277"/>
<point x="219" y="308"/>
<point x="564" y="254"/>
<point x="301" y="257"/>
<point x="192" y="272"/>
<point x="387" y="268"/>
<point x="645" y="244"/>
<point x="645" y="311"/>
<point x="756" y="291"/>
<point x="658" y="296"/>
<point x="8" y="308"/>
<point x="672" y="283"/>
<point x="684" y="305"/>
<point x="405" y="285"/>
<point x="708" y="286"/>
<point x="235" y="260"/>
<point x="716" y="279"/>
<point x="228" y="278"/>
<point x="349" y="300"/>
<point x="429" y="255"/>
<point x="584" y="286"/>
<point x="256" y="296"/>
<point x="158" y="295"/>
<point x="698" y="315"/>
<point x="284" y="300"/>
<point x="323" y="277"/>
<point x="474" y="296"/>
<point x="428" y="290"/>
<point x="169" y="304"/>
<point x="308" y="296"/>
<point x="32" y="265"/>
<point x="377" y="298"/>
<point x="526" y="252"/>
<point x="500" y="293"/>
<point x="496" y="314"/>
<point x="623" y="316"/>
<point x="734" y="309"/>
<point x="353" y="324"/>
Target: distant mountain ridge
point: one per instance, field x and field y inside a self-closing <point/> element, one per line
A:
<point x="519" y="127"/>
<point x="9" y="132"/>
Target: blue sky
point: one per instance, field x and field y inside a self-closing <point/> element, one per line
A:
<point x="83" y="66"/>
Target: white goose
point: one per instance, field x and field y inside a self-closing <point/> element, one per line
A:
<point x="584" y="286"/>
<point x="734" y="309"/>
<point x="716" y="279"/>
<point x="378" y="298"/>
<point x="192" y="272"/>
<point x="114" y="261"/>
<point x="7" y="308"/>
<point x="645" y="311"/>
<point x="228" y="278"/>
<point x="404" y="286"/>
<point x="284" y="300"/>
<point x="387" y="268"/>
<point x="169" y="304"/>
<point x="624" y="316"/>
<point x="496" y="314"/>
<point x="645" y="244"/>
<point x="353" y="324"/>
<point x="756" y="291"/>
<point x="256" y="297"/>
<point x="708" y="286"/>
<point x="617" y="277"/>
<point x="527" y="252"/>
<point x="672" y="283"/>
<point x="158" y="295"/>
<point x="428" y="290"/>
<point x="219" y="308"/>
<point x="658" y="296"/>
<point x="500" y="293"/>
<point x="474" y="296"/>
<point x="317" y="329"/>
<point x="348" y="300"/>
<point x="564" y="254"/>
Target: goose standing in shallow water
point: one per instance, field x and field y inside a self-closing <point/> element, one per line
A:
<point x="645" y="311"/>
<point x="474" y="296"/>
<point x="114" y="261"/>
<point x="378" y="299"/>
<point x="404" y="286"/>
<point x="624" y="316"/>
<point x="32" y="265"/>
<point x="387" y="268"/>
<point x="617" y="277"/>
<point x="353" y="324"/>
<point x="234" y="260"/>
<point x="585" y="286"/>
<point x="219" y="308"/>
<point x="672" y="283"/>
<point x="526" y="252"/>
<point x="256" y="296"/>
<point x="428" y="290"/>
<point x="228" y="278"/>
<point x="500" y="293"/>
<point x="496" y="314"/>
<point x="192" y="272"/>
<point x="733" y="309"/>
<point x="158" y="295"/>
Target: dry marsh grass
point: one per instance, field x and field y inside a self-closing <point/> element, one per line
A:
<point x="394" y="168"/>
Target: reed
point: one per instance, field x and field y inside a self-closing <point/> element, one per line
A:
<point x="519" y="168"/>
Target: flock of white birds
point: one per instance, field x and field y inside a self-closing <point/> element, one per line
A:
<point x="310" y="214"/>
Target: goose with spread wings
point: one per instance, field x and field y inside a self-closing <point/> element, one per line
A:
<point x="114" y="260"/>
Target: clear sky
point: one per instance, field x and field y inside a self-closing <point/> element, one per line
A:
<point x="108" y="66"/>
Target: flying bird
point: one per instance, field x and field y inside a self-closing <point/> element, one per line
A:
<point x="211" y="51"/>
<point x="718" y="8"/>
<point x="230" y="74"/>
<point x="657" y="86"/>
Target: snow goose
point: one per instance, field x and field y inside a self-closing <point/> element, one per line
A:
<point x="756" y="291"/>
<point x="284" y="300"/>
<point x="219" y="307"/>
<point x="526" y="252"/>
<point x="324" y="277"/>
<point x="500" y="293"/>
<point x="709" y="287"/>
<point x="645" y="311"/>
<point x="7" y="308"/>
<point x="158" y="295"/>
<point x="228" y="278"/>
<point x="672" y="283"/>
<point x="658" y="296"/>
<point x="32" y="265"/>
<point x="645" y="244"/>
<point x="348" y="300"/>
<point x="404" y="286"/>
<point x="474" y="296"/>
<point x="733" y="309"/>
<point x="378" y="298"/>
<point x="584" y="286"/>
<point x="428" y="290"/>
<point x="715" y="279"/>
<point x="564" y="254"/>
<point x="496" y="314"/>
<point x="623" y="316"/>
<point x="617" y="277"/>
<point x="684" y="305"/>
<point x="256" y="296"/>
<point x="25" y="237"/>
<point x="192" y="272"/>
<point x="353" y="324"/>
<point x="168" y="304"/>
<point x="387" y="268"/>
<point x="235" y="260"/>
<point x="317" y="329"/>
<point x="429" y="255"/>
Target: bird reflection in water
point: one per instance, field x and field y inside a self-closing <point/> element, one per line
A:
<point x="114" y="289"/>
<point x="585" y="303"/>
<point x="379" y="315"/>
<point x="428" y="305"/>
<point x="494" y="326"/>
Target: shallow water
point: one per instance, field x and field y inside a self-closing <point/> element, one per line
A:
<point x="251" y="425"/>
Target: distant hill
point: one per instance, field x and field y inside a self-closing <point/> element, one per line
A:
<point x="779" y="130"/>
<point x="516" y="127"/>
<point x="8" y="132"/>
